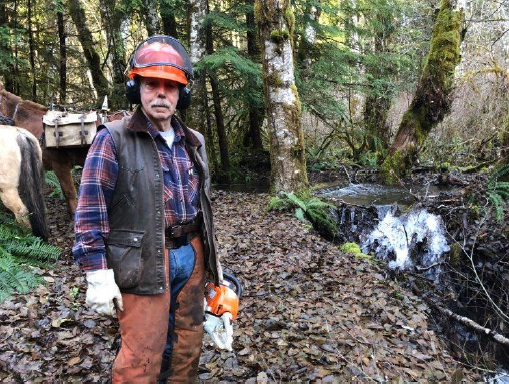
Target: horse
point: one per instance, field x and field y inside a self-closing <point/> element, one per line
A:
<point x="21" y="172"/>
<point x="28" y="115"/>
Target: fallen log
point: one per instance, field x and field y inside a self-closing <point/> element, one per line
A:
<point x="463" y="320"/>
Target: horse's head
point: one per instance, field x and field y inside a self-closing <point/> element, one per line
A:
<point x="25" y="113"/>
<point x="29" y="116"/>
<point x="8" y="103"/>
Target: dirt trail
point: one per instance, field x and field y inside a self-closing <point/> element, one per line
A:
<point x="308" y="312"/>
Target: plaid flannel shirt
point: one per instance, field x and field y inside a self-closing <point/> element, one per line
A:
<point x="98" y="180"/>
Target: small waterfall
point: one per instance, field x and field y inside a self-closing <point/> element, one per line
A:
<point x="413" y="239"/>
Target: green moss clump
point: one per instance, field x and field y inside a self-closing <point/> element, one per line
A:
<point x="279" y="36"/>
<point x="274" y="80"/>
<point x="394" y="167"/>
<point x="455" y="255"/>
<point x="290" y="19"/>
<point x="355" y="250"/>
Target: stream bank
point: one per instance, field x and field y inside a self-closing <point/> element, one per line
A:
<point x="446" y="240"/>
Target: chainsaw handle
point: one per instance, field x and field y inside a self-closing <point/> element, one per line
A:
<point x="232" y="279"/>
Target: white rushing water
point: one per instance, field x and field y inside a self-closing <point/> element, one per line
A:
<point x="413" y="238"/>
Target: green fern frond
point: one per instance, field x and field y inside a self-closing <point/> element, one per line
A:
<point x="52" y="180"/>
<point x="504" y="170"/>
<point x="311" y="209"/>
<point x="18" y="250"/>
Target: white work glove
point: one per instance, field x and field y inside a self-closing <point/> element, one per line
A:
<point x="103" y="292"/>
<point x="220" y="329"/>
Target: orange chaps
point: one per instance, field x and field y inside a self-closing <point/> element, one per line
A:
<point x="144" y="327"/>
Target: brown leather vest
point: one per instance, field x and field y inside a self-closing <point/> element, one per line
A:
<point x="135" y="246"/>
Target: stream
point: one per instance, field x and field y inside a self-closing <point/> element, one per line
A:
<point x="382" y="220"/>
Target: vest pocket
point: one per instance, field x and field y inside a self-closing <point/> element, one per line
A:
<point x="123" y="255"/>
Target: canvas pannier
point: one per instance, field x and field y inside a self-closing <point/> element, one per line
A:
<point x="62" y="129"/>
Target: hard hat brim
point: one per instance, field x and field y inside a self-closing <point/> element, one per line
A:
<point x="161" y="72"/>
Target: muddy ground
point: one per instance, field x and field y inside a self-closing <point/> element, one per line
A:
<point x="309" y="313"/>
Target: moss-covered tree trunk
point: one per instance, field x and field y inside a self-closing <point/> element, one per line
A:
<point x="113" y="18"/>
<point x="87" y="43"/>
<point x="288" y="165"/>
<point x="431" y="100"/>
<point x="378" y="101"/>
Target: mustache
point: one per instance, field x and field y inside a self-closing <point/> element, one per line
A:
<point x="161" y="103"/>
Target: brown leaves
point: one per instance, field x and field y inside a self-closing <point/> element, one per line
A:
<point x="307" y="313"/>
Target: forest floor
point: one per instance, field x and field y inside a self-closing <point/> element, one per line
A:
<point x="308" y="312"/>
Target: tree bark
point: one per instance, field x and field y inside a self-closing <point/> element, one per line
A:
<point x="288" y="165"/>
<point x="113" y="18"/>
<point x="92" y="57"/>
<point x="253" y="50"/>
<point x="197" y="46"/>
<point x="308" y="37"/>
<point x="63" y="55"/>
<point x="7" y="67"/>
<point x="151" y="18"/>
<point x="505" y="141"/>
<point x="378" y="102"/>
<point x="32" y="49"/>
<point x="218" y="112"/>
<point x="431" y="100"/>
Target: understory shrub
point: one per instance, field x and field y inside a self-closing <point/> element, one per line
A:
<point x="19" y="251"/>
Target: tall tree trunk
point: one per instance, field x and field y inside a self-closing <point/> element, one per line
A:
<point x="168" y="18"/>
<point x="211" y="146"/>
<point x="63" y="54"/>
<point x="32" y="49"/>
<point x="151" y="18"/>
<point x="504" y="153"/>
<point x="218" y="111"/>
<point x="431" y="99"/>
<point x="92" y="57"/>
<point x="378" y="102"/>
<point x="253" y="50"/>
<point x="16" y="87"/>
<point x="308" y="37"/>
<point x="288" y="165"/>
<point x="113" y="19"/>
<point x="197" y="46"/>
<point x="7" y="67"/>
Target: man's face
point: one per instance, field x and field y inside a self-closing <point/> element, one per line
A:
<point x="159" y="97"/>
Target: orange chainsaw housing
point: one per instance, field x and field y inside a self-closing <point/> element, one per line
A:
<point x="221" y="299"/>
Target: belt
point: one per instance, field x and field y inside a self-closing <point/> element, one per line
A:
<point x="179" y="235"/>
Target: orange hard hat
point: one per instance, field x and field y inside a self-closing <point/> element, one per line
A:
<point x="161" y="57"/>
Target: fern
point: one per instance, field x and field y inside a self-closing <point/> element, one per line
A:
<point x="498" y="191"/>
<point x="52" y="180"/>
<point x="310" y="209"/>
<point x="19" y="249"/>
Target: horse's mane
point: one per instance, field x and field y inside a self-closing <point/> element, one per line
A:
<point x="34" y="106"/>
<point x="11" y="96"/>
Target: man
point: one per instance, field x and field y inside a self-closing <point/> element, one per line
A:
<point x="144" y="231"/>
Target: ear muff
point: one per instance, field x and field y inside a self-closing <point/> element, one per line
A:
<point x="132" y="91"/>
<point x="184" y="98"/>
